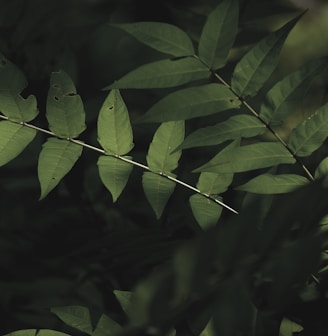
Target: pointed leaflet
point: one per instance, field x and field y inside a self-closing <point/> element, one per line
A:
<point x="114" y="128"/>
<point x="37" y="332"/>
<point x="77" y="317"/>
<point x="286" y="95"/>
<point x="163" y="74"/>
<point x="310" y="134"/>
<point x="273" y="184"/>
<point x="124" y="298"/>
<point x="11" y="77"/>
<point x="205" y="211"/>
<point x="16" y="108"/>
<point x="161" y="36"/>
<point x="161" y="159"/>
<point x="244" y="126"/>
<point x="13" y="140"/>
<point x="106" y="327"/>
<point x="65" y="111"/>
<point x="191" y="103"/>
<point x="114" y="174"/>
<point x="218" y="34"/>
<point x="249" y="157"/>
<point x="56" y="159"/>
<point x="253" y="70"/>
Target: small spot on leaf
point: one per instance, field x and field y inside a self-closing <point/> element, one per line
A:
<point x="111" y="107"/>
<point x="56" y="98"/>
<point x="3" y="62"/>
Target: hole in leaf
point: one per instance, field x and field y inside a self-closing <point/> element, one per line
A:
<point x="111" y="107"/>
<point x="70" y="94"/>
<point x="56" y="98"/>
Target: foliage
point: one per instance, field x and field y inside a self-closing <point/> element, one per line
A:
<point x="250" y="244"/>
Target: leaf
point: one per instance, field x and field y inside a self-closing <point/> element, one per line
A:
<point x="273" y="184"/>
<point x="213" y="184"/>
<point x="36" y="332"/>
<point x="106" y="327"/>
<point x="192" y="102"/>
<point x="218" y="34"/>
<point x="206" y="212"/>
<point x="310" y="134"/>
<point x="114" y="174"/>
<point x="11" y="77"/>
<point x="167" y="137"/>
<point x="244" y="126"/>
<point x="249" y="157"/>
<point x="65" y="111"/>
<point x="56" y="159"/>
<point x="77" y="317"/>
<point x="157" y="190"/>
<point x="253" y="70"/>
<point x="124" y="298"/>
<point x="286" y="95"/>
<point x="114" y="128"/>
<point x="288" y="327"/>
<point x="161" y="36"/>
<point x="163" y="74"/>
<point x="13" y="140"/>
<point x="16" y="108"/>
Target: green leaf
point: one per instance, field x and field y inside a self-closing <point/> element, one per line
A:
<point x="114" y="174"/>
<point x="65" y="111"/>
<point x="286" y="95"/>
<point x="106" y="327"/>
<point x="192" y="102"/>
<point x="114" y="128"/>
<point x="205" y="211"/>
<point x="161" y="36"/>
<point x="253" y="70"/>
<point x="244" y="126"/>
<point x="16" y="108"/>
<point x="11" y="77"/>
<point x="167" y="137"/>
<point x="36" y="332"/>
<point x="56" y="159"/>
<point x="249" y="157"/>
<point x="124" y="298"/>
<point x="163" y="74"/>
<point x="77" y="317"/>
<point x="310" y="134"/>
<point x="322" y="169"/>
<point x="157" y="190"/>
<point x="218" y="34"/>
<point x="209" y="330"/>
<point x="13" y="140"/>
<point x="273" y="184"/>
<point x="288" y="328"/>
<point x="213" y="184"/>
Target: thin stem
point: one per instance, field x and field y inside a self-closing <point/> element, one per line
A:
<point x="127" y="160"/>
<point x="269" y="128"/>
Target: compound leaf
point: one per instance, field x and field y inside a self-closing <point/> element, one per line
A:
<point x="310" y="134"/>
<point x="16" y="108"/>
<point x="167" y="137"/>
<point x="65" y="111"/>
<point x="157" y="190"/>
<point x="114" y="128"/>
<point x="287" y="94"/>
<point x="77" y="317"/>
<point x="13" y="140"/>
<point x="253" y="70"/>
<point x="244" y="126"/>
<point x="192" y="102"/>
<point x="11" y="77"/>
<point x="218" y="34"/>
<point x="56" y="159"/>
<point x="273" y="184"/>
<point x="114" y="174"/>
<point x="163" y="74"/>
<point x="249" y="157"/>
<point x="161" y="36"/>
